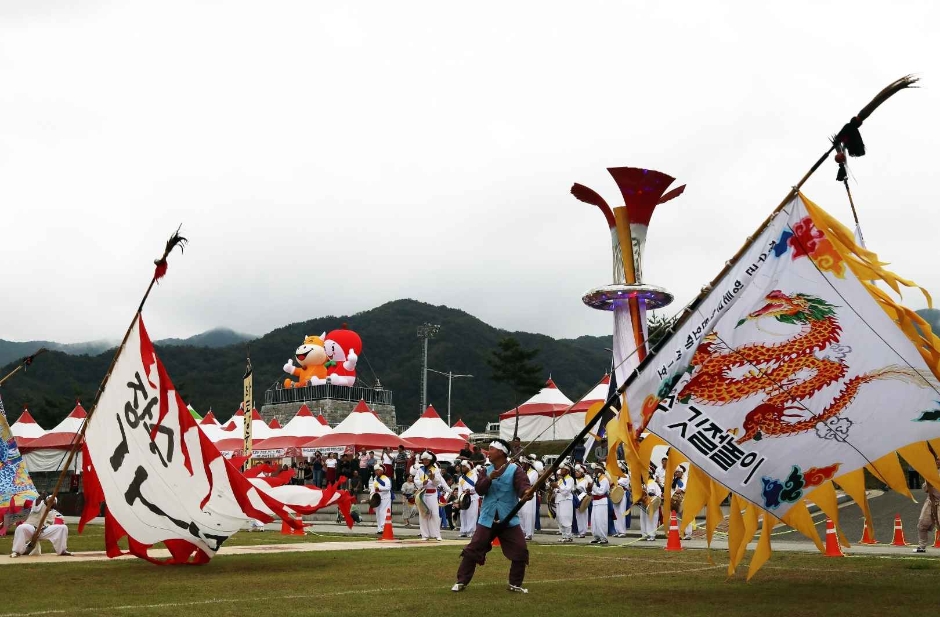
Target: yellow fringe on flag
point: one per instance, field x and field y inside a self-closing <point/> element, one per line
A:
<point x="888" y="470"/>
<point x="799" y="518"/>
<point x="825" y="497"/>
<point x="853" y="483"/>
<point x="763" y="550"/>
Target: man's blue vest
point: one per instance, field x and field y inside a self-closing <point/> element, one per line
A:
<point x="500" y="499"/>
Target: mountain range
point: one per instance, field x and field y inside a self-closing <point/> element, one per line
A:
<point x="217" y="337"/>
<point x="207" y="370"/>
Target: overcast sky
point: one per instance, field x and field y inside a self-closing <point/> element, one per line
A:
<point x="326" y="159"/>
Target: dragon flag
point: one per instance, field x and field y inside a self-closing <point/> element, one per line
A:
<point x="795" y="371"/>
<point x="15" y="483"/>
<point x="162" y="479"/>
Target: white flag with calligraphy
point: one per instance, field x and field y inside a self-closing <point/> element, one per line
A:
<point x="789" y="373"/>
<point x="161" y="477"/>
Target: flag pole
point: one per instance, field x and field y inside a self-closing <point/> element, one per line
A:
<point x="849" y="138"/>
<point x="28" y="360"/>
<point x="158" y="273"/>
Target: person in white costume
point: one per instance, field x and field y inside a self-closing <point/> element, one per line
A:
<point x="527" y="514"/>
<point x="583" y="488"/>
<point x="600" y="489"/>
<point x="564" y="487"/>
<point x="466" y="485"/>
<point x="58" y="534"/>
<point x="620" y="509"/>
<point x="429" y="478"/>
<point x="382" y="485"/>
<point x="648" y="527"/>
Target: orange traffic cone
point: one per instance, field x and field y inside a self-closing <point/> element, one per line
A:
<point x="936" y="541"/>
<point x="867" y="537"/>
<point x="898" y="532"/>
<point x="387" y="533"/>
<point x="672" y="539"/>
<point x="288" y="530"/>
<point x="832" y="540"/>
<point x="496" y="541"/>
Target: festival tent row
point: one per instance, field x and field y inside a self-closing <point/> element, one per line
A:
<point x="432" y="433"/>
<point x="462" y="430"/>
<point x="26" y="429"/>
<point x="362" y="430"/>
<point x="49" y="452"/>
<point x="233" y="434"/>
<point x="550" y="415"/>
<point x="302" y="428"/>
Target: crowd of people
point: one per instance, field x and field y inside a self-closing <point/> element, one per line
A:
<point x="583" y="497"/>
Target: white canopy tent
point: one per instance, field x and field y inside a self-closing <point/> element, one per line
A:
<point x="49" y="452"/>
<point x="541" y="418"/>
<point x="26" y="429"/>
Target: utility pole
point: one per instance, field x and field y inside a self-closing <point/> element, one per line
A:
<point x="425" y="332"/>
<point x="450" y="378"/>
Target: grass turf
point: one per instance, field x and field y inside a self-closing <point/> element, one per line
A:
<point x="562" y="580"/>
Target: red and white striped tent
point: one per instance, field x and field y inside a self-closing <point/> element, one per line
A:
<point x="361" y="429"/>
<point x="302" y="428"/>
<point x="211" y="427"/>
<point x="462" y="429"/>
<point x="233" y="437"/>
<point x="429" y="432"/>
<point x="49" y="452"/>
<point x="26" y="429"/>
<point x="544" y="417"/>
<point x="274" y="424"/>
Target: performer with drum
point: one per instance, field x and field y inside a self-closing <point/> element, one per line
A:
<point x="600" y="489"/>
<point x="503" y="485"/>
<point x="564" y="509"/>
<point x="582" y="499"/>
<point x="469" y="500"/>
<point x="678" y="497"/>
<point x="529" y="511"/>
<point x="621" y="495"/>
<point x="380" y="496"/>
<point x="429" y="481"/>
<point x="649" y="506"/>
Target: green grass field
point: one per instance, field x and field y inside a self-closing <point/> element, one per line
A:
<point x="562" y="580"/>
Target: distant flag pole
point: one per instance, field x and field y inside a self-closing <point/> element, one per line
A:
<point x="249" y="411"/>
<point x="159" y="271"/>
<point x="22" y="365"/>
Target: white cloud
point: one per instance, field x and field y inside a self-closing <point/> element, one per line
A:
<point x="328" y="159"/>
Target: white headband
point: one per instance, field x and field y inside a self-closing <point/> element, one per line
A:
<point x="499" y="446"/>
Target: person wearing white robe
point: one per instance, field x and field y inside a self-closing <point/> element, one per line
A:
<point x="58" y="534"/>
<point x="600" y="489"/>
<point x="466" y="485"/>
<point x="583" y="488"/>
<point x="563" y="502"/>
<point x="649" y="521"/>
<point x="429" y="478"/>
<point x="528" y="512"/>
<point x="382" y="485"/>
<point x="620" y="509"/>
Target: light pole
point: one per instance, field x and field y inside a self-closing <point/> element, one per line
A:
<point x="450" y="378"/>
<point x="425" y="331"/>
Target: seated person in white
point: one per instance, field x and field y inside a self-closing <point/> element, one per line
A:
<point x="57" y="534"/>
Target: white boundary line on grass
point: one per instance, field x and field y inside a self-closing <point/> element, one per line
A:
<point x="131" y="607"/>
